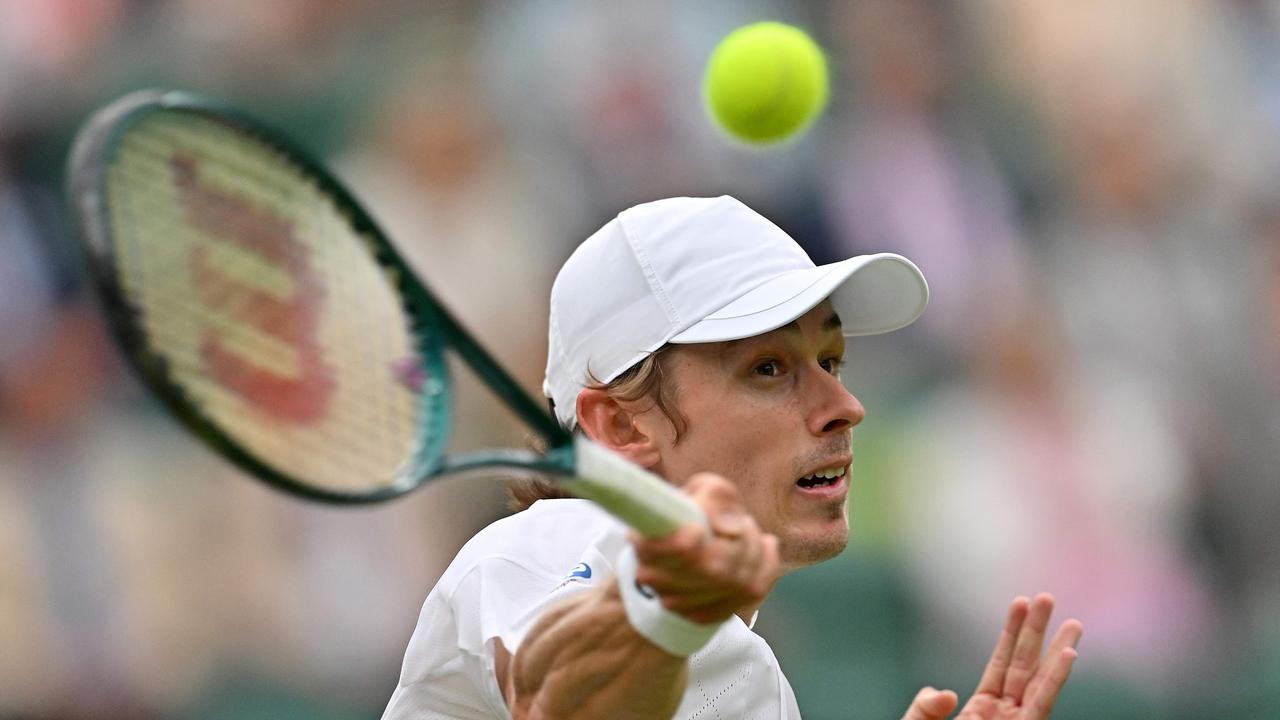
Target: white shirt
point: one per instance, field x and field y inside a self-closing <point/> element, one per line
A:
<point x="508" y="574"/>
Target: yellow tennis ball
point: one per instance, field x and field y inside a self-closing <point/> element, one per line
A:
<point x="766" y="82"/>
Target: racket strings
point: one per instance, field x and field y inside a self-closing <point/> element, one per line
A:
<point x="264" y="304"/>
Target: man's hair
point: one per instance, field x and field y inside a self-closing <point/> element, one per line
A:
<point x="645" y="379"/>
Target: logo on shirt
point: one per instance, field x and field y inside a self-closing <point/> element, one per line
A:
<point x="581" y="570"/>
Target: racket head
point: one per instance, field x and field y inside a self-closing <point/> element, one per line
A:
<point x="257" y="299"/>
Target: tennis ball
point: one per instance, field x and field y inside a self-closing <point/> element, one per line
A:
<point x="765" y="82"/>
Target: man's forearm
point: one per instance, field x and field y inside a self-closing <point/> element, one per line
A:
<point x="584" y="660"/>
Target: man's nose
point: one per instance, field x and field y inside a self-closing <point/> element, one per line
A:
<point x="836" y="409"/>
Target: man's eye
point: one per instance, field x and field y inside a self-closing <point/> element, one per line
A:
<point x="768" y="368"/>
<point x="833" y="365"/>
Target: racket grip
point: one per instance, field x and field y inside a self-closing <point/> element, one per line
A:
<point x="636" y="496"/>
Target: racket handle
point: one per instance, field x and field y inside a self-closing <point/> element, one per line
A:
<point x="636" y="496"/>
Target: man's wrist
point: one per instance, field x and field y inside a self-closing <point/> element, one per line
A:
<point x="670" y="631"/>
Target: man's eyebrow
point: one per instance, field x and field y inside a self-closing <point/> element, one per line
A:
<point x="828" y="325"/>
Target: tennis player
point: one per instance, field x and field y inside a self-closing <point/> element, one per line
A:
<point x="695" y="338"/>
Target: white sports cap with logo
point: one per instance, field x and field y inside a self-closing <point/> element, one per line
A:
<point x="696" y="270"/>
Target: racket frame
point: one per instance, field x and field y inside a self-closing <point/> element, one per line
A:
<point x="643" y="500"/>
<point x="432" y="327"/>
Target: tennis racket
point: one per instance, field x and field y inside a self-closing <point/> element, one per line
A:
<point x="257" y="299"/>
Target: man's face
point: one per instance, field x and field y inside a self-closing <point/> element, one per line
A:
<point x="768" y="413"/>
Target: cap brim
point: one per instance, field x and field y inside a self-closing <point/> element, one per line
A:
<point x="872" y="294"/>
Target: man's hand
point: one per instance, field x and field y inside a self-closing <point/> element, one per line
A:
<point x="1018" y="683"/>
<point x="583" y="659"/>
<point x="708" y="576"/>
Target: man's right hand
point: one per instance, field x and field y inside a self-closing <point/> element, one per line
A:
<point x="706" y="575"/>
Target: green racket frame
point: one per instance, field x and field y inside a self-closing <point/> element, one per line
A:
<point x="433" y="328"/>
<point x="641" y="499"/>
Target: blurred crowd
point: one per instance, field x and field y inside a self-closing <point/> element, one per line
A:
<point x="1091" y="405"/>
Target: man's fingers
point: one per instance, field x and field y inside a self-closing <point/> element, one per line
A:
<point x="1026" y="652"/>
<point x="710" y="572"/>
<point x="1068" y="636"/>
<point x="744" y="569"/>
<point x="727" y="519"/>
<point x="992" y="681"/>
<point x="750" y="584"/>
<point x="931" y="704"/>
<point x="1046" y="693"/>
<point x="715" y="495"/>
<point x="679" y="549"/>
<point x="979" y="707"/>
<point x="770" y="569"/>
<point x="692" y="555"/>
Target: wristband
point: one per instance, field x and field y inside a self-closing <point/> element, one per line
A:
<point x="674" y="633"/>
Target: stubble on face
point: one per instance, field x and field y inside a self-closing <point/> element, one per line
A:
<point x="799" y="551"/>
<point x="756" y="439"/>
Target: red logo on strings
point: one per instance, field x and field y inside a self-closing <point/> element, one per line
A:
<point x="300" y="398"/>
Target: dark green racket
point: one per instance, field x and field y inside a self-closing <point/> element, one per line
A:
<point x="266" y="309"/>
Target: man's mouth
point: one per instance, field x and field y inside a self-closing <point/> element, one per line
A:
<point x="822" y="478"/>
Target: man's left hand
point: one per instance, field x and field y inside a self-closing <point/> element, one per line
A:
<point x="1018" y="683"/>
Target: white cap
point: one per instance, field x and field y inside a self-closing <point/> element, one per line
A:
<point x="695" y="270"/>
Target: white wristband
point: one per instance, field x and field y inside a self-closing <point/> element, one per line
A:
<point x="674" y="633"/>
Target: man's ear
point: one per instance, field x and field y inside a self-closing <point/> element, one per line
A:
<point x="611" y="424"/>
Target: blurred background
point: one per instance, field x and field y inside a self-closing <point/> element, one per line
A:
<point x="1091" y="405"/>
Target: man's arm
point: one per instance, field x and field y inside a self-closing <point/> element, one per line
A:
<point x="583" y="658"/>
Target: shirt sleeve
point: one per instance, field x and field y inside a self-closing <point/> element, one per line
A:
<point x="593" y="569"/>
<point x="502" y="599"/>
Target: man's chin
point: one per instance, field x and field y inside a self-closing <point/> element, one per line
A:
<point x="801" y="552"/>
